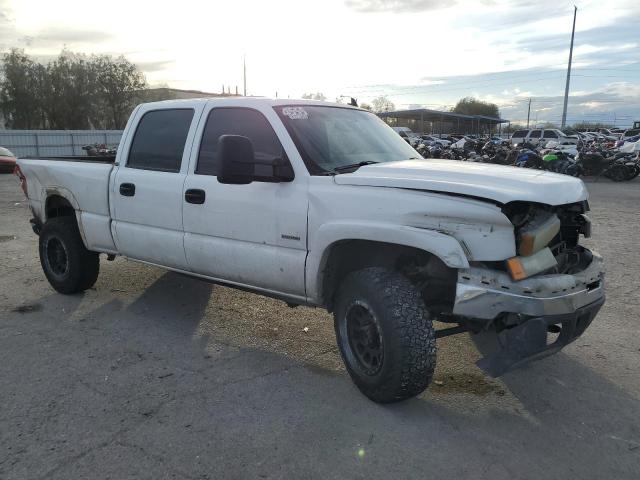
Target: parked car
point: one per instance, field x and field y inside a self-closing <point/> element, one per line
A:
<point x="7" y="160"/>
<point x="324" y="205"/>
<point x="621" y="143"/>
<point x="605" y="137"/>
<point x="632" y="132"/>
<point x="612" y="133"/>
<point x="435" y="140"/>
<point x="444" y="136"/>
<point x="587" y="137"/>
<point x="411" y="137"/>
<point x="553" y="134"/>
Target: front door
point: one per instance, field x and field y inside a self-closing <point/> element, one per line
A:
<point x="255" y="234"/>
<point x="146" y="195"/>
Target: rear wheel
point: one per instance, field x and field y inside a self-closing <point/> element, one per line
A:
<point x="67" y="264"/>
<point x="385" y="335"/>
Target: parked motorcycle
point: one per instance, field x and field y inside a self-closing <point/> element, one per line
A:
<point x="595" y="164"/>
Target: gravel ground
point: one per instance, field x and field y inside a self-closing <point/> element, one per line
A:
<point x="152" y="374"/>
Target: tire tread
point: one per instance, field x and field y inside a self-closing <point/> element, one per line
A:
<point x="413" y="329"/>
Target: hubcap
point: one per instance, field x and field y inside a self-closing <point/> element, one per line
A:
<point x="365" y="338"/>
<point x="57" y="256"/>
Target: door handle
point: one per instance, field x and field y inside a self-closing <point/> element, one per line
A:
<point x="127" y="189"/>
<point x="194" y="195"/>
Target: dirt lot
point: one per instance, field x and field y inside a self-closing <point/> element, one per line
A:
<point x="155" y="375"/>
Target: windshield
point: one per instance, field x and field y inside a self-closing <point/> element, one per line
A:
<point x="5" y="153"/>
<point x="334" y="137"/>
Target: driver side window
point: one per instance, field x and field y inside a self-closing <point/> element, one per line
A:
<point x="237" y="121"/>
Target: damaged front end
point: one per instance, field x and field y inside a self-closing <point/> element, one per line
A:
<point x="553" y="286"/>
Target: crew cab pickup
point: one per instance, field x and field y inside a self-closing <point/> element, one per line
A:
<point x="324" y="205"/>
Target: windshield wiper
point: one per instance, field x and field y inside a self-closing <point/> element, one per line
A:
<point x="353" y="166"/>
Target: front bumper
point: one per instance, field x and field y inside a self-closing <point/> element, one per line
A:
<point x="566" y="304"/>
<point x="529" y="340"/>
<point x="485" y="294"/>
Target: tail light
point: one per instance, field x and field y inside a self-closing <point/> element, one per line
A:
<point x="23" y="180"/>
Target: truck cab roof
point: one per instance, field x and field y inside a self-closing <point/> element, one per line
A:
<point x="249" y="102"/>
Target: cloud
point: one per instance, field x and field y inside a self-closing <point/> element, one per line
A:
<point x="155" y="66"/>
<point x="56" y="35"/>
<point x="397" y="6"/>
<point x="7" y="28"/>
<point x="617" y="102"/>
<point x="429" y="81"/>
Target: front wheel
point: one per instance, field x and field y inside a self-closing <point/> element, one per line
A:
<point x="385" y="335"/>
<point x="67" y="264"/>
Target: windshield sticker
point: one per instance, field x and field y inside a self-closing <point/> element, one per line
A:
<point x="295" y="113"/>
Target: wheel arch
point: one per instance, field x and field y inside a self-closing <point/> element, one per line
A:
<point x="60" y="202"/>
<point x="383" y="247"/>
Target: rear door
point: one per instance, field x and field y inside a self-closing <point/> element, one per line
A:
<point x="534" y="137"/>
<point x="518" y="136"/>
<point x="255" y="234"/>
<point x="548" y="136"/>
<point x="147" y="189"/>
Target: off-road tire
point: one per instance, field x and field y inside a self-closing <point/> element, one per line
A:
<point x="81" y="267"/>
<point x="405" y="329"/>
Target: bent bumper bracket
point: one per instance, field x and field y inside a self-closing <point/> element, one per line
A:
<point x="528" y="341"/>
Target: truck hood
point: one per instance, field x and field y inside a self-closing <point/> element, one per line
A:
<point x="502" y="184"/>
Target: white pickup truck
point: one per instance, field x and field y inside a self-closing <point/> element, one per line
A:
<point x="324" y="205"/>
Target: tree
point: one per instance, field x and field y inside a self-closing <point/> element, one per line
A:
<point x="21" y="84"/>
<point x="314" y="96"/>
<point x="382" y="104"/>
<point x="71" y="92"/>
<point x="590" y="126"/>
<point x="473" y="106"/>
<point x="120" y="83"/>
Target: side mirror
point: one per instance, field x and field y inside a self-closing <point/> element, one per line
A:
<point x="237" y="160"/>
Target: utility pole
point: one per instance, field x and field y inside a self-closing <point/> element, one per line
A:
<point x="244" y="73"/>
<point x="566" y="88"/>
<point x="528" y="112"/>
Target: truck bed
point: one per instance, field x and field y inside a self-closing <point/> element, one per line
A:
<point x="84" y="182"/>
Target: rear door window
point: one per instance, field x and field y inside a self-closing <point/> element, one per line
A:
<point x="535" y="134"/>
<point x="158" y="143"/>
<point x="550" y="134"/>
<point x="520" y="133"/>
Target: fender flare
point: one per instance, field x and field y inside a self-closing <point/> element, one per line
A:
<point x="60" y="192"/>
<point x="65" y="193"/>
<point x="443" y="246"/>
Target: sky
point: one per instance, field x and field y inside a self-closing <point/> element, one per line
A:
<point x="419" y="53"/>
